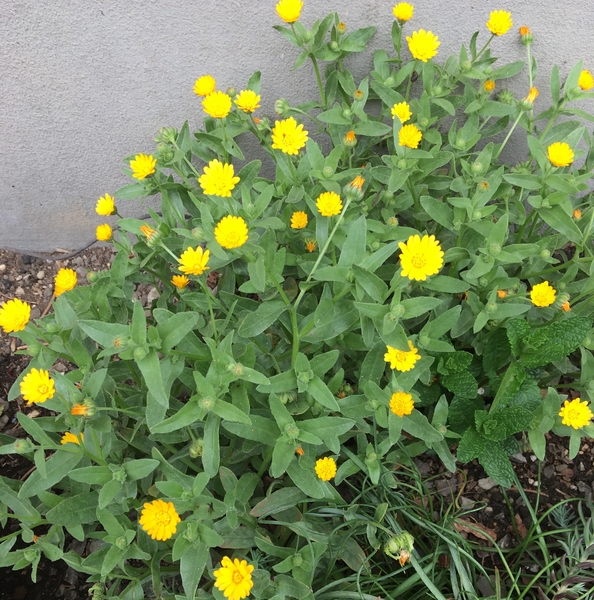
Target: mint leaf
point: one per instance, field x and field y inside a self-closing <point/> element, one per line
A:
<point x="461" y="384"/>
<point x="517" y="331"/>
<point x="496" y="464"/>
<point x="471" y="446"/>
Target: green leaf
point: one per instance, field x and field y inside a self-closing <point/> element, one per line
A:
<point x="230" y="412"/>
<point x="497" y="465"/>
<point x="560" y="221"/>
<point x="374" y="365"/>
<point x="57" y="468"/>
<point x="22" y="509"/>
<point x="108" y="492"/>
<point x="150" y="367"/>
<point x="518" y="331"/>
<point x="104" y="333"/>
<point x="211" y="453"/>
<point x="99" y="475"/>
<point x="417" y="425"/>
<point x="258" y="321"/>
<point x="443" y="283"/>
<point x="334" y="116"/>
<point x="174" y="329"/>
<point x="462" y="384"/>
<point x="528" y="182"/>
<point x="471" y="446"/>
<point x="191" y="568"/>
<point x="327" y="427"/>
<point x="354" y="247"/>
<point x="503" y="423"/>
<point x="137" y="469"/>
<point x="75" y="510"/>
<point x="282" y="455"/>
<point x="261" y="430"/>
<point x="439" y="211"/>
<point x="371" y="128"/>
<point x="186" y="416"/>
<point x="319" y="390"/>
<point x="278" y="501"/>
<point x="419" y="305"/>
<point x="371" y="283"/>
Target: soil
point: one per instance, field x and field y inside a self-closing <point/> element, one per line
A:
<point x="31" y="279"/>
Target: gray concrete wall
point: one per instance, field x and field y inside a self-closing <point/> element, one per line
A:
<point x="86" y="83"/>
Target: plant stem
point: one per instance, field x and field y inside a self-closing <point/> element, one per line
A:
<point x="509" y="134"/>
<point x="210" y="310"/>
<point x="483" y="48"/>
<point x="319" y="78"/>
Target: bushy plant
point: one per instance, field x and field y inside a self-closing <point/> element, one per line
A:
<point x="393" y="289"/>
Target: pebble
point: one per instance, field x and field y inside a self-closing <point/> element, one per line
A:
<point x="533" y="458"/>
<point x="40" y="274"/>
<point x="489" y="510"/>
<point x="35" y="313"/>
<point x="518" y="458"/>
<point x="548" y="471"/>
<point x="2" y="267"/>
<point x="19" y="291"/>
<point x="152" y="295"/>
<point x="486" y="484"/>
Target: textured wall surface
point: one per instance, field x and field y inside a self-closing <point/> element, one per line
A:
<point x="85" y="84"/>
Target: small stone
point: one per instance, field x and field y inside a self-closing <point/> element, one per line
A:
<point x="35" y="313"/>
<point x="19" y="277"/>
<point x="584" y="488"/>
<point x="548" y="472"/>
<point x="533" y="458"/>
<point x="19" y="291"/>
<point x="152" y="295"/>
<point x="2" y="267"/>
<point x="518" y="458"/>
<point x="489" y="510"/>
<point x="464" y="501"/>
<point x="487" y="483"/>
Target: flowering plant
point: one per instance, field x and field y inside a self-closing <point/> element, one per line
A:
<point x="405" y="292"/>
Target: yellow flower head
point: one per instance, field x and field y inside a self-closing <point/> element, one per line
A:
<point x="326" y="468"/>
<point x="359" y="94"/>
<point x="577" y="214"/>
<point x="402" y="111"/>
<point x="401" y="404"/>
<point x="180" y="281"/>
<point x="289" y="10"/>
<point x="104" y="232"/>
<point x="329" y="204"/>
<point x="148" y="231"/>
<point x="586" y="81"/>
<point x="341" y="27"/>
<point x="542" y="294"/>
<point x="421" y="257"/>
<point x="501" y="294"/>
<point x="247" y="101"/>
<point x="350" y="139"/>
<point x="499" y="22"/>
<point x="402" y="360"/>
<point x="528" y="101"/>
<point x="288" y="136"/>
<point x="217" y="105"/>
<point x="403" y="11"/>
<point x="79" y="410"/>
<point x="37" y="386"/>
<point x="193" y="262"/>
<point x="357" y="183"/>
<point x="560" y="154"/>
<point x="489" y="85"/>
<point x="159" y="519"/>
<point x="575" y="414"/>
<point x="311" y="244"/>
<point x="566" y="306"/>
<point x="142" y="166"/>
<point x="70" y="438"/>
<point x="105" y="206"/>
<point x="14" y="315"/>
<point x="205" y="85"/>
<point x="64" y="281"/>
<point x="234" y="578"/>
<point x="423" y="44"/>
<point x="409" y="136"/>
<point x="298" y="220"/>
<point x="524" y="30"/>
<point x="231" y="232"/>
<point x="218" y="179"/>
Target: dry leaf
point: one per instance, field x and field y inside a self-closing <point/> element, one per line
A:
<point x="475" y="529"/>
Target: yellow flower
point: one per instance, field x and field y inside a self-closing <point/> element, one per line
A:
<point x="358" y="95"/>
<point x="357" y="183"/>
<point x="193" y="262"/>
<point x="104" y="232"/>
<point x="566" y="306"/>
<point x="205" y="85"/>
<point x="528" y="101"/>
<point x="401" y="404"/>
<point x="289" y="10"/>
<point x="70" y="438"/>
<point x="499" y="22"/>
<point x="576" y="414"/>
<point x="217" y="105"/>
<point x="64" y="281"/>
<point x="421" y="257"/>
<point x="142" y="166"/>
<point x="105" y="206"/>
<point x="288" y="136"/>
<point x="402" y="111"/>
<point x="403" y="11"/>
<point x="218" y="179"/>
<point x="402" y="360"/>
<point x="14" y="315"/>
<point x="560" y="154"/>
<point x="79" y="410"/>
<point x="159" y="519"/>
<point x="231" y="232"/>
<point x="489" y="85"/>
<point x="341" y="27"/>
<point x="350" y="139"/>
<point x="148" y="231"/>
<point x="410" y="136"/>
<point x="577" y="214"/>
<point x="524" y="30"/>
<point x="423" y="44"/>
<point x="299" y="220"/>
<point x="502" y="294"/>
<point x="37" y="386"/>
<point x="234" y="578"/>
<point x="325" y="468"/>
<point x="180" y="281"/>
<point x="247" y="101"/>
<point x="542" y="294"/>
<point x="586" y="81"/>
<point x="329" y="204"/>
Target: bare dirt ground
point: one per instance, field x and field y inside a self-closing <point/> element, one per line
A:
<point x="31" y="279"/>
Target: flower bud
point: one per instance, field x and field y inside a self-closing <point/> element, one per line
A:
<point x="526" y="35"/>
<point x="327" y="172"/>
<point x="477" y="215"/>
<point x="281" y="107"/>
<point x="373" y="404"/>
<point x="231" y="91"/>
<point x="577" y="214"/>
<point x="465" y="66"/>
<point x="477" y="167"/>
<point x="506" y="97"/>
<point x="390" y="81"/>
<point x="491" y="307"/>
<point x="483" y="281"/>
<point x="164" y="153"/>
<point x="528" y="102"/>
<point x="561" y="285"/>
<point x="30" y="555"/>
<point x="196" y="448"/>
<point x="375" y="245"/>
<point x="350" y="139"/>
<point x="334" y="46"/>
<point x="397" y="310"/>
<point x="354" y="189"/>
<point x="120" y="342"/>
<point x="166" y="135"/>
<point x="402" y="164"/>
<point x="437" y="90"/>
<point x="33" y="349"/>
<point x="297" y="560"/>
<point x="545" y="254"/>
<point x="23" y="445"/>
<point x="460" y="143"/>
<point x="119" y="475"/>
<point x="400" y="546"/>
<point x="424" y="122"/>
<point x="92" y="276"/>
<point x="341" y="27"/>
<point x="371" y="458"/>
<point x="424" y="340"/>
<point x="139" y="353"/>
<point x="198" y="234"/>
<point x="286" y="397"/>
<point x="494" y="249"/>
<point x="207" y="403"/>
<point x="292" y="431"/>
<point x="236" y="369"/>
<point x="392" y="222"/>
<point x="191" y="532"/>
<point x="121" y="543"/>
<point x="308" y="36"/>
<point x="347" y="113"/>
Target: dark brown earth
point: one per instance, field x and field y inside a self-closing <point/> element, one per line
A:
<point x="31" y="279"/>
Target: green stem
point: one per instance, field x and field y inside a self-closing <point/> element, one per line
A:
<point x="523" y="227"/>
<point x="316" y="121"/>
<point x="508" y="135"/>
<point x="319" y="78"/>
<point x="483" y="48"/>
<point x="410" y="81"/>
<point x="175" y="258"/>
<point x="552" y="119"/>
<point x="188" y="162"/>
<point x="210" y="310"/>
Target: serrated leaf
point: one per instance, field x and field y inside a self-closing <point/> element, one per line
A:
<point x="471" y="446"/>
<point x="497" y="465"/>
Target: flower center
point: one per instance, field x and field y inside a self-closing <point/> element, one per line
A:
<point x="237" y="577"/>
<point x="418" y="261"/>
<point x="572" y="414"/>
<point x="42" y="389"/>
<point x="288" y="140"/>
<point x="401" y="355"/>
<point x="163" y="518"/>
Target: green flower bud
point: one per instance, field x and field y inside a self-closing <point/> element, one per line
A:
<point x="483" y="281"/>
<point x="23" y="445"/>
<point x="34" y="349"/>
<point x="371" y="458"/>
<point x="207" y="403"/>
<point x="281" y="107"/>
<point x="373" y="404"/>
<point x="400" y="546"/>
<point x="442" y="429"/>
<point x="545" y="203"/>
<point x="477" y="167"/>
<point x="292" y="431"/>
<point x="297" y="560"/>
<point x="392" y="222"/>
<point x="424" y="122"/>
<point x="402" y="164"/>
<point x="195" y="449"/>
<point x="397" y="310"/>
<point x="52" y="328"/>
<point x="308" y="36"/>
<point x="120" y="475"/>
<point x="164" y="153"/>
<point x="92" y="277"/>
<point x="424" y="340"/>
<point x="460" y="143"/>
<point x="305" y="376"/>
<point x="334" y="46"/>
<point x="231" y="91"/>
<point x="139" y="353"/>
<point x="166" y="135"/>
<point x="120" y="342"/>
<point x="437" y="90"/>
<point x="191" y="532"/>
<point x="494" y="249"/>
<point x="506" y="97"/>
<point x="545" y="254"/>
<point x="347" y="113"/>
<point x="488" y="70"/>
<point x="198" y="234"/>
<point x="477" y="215"/>
<point x="286" y="397"/>
<point x="491" y="307"/>
<point x="121" y="543"/>
<point x="327" y="172"/>
<point x="390" y="81"/>
<point x="235" y="368"/>
<point x="561" y="285"/>
<point x="465" y="66"/>
<point x="375" y="245"/>
<point x="457" y="224"/>
<point x="187" y="495"/>
<point x="30" y="555"/>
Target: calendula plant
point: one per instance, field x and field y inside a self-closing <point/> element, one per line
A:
<point x="394" y="289"/>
